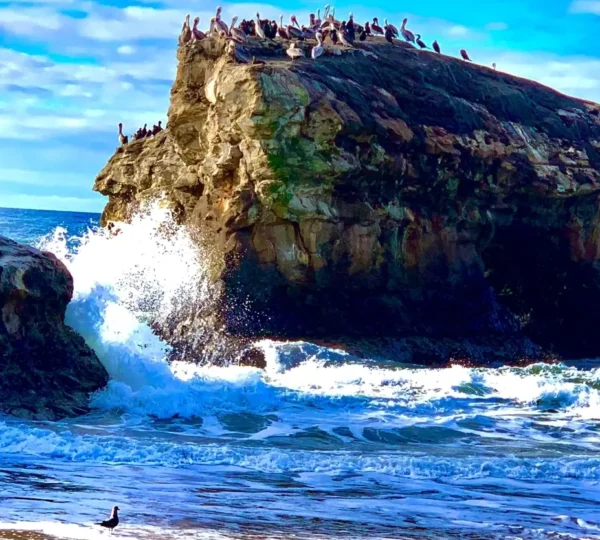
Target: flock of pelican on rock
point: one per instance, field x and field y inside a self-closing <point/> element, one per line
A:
<point x="342" y="33"/>
<point x="141" y="133"/>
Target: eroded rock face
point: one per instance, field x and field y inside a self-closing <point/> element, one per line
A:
<point x="46" y="369"/>
<point x="382" y="192"/>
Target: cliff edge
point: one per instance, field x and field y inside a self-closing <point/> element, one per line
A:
<point x="383" y="192"/>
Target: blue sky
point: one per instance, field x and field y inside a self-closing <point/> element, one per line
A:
<point x="70" y="70"/>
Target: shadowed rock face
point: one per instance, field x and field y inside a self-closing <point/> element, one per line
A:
<point x="46" y="369"/>
<point x="383" y="192"/>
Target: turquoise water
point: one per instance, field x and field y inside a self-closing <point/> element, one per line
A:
<point x="318" y="445"/>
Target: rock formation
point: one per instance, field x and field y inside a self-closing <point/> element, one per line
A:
<point x="46" y="369"/>
<point x="383" y="193"/>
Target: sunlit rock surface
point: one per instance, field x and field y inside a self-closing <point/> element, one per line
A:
<point x="384" y="193"/>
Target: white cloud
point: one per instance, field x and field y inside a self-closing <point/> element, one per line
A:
<point x="496" y="26"/>
<point x="126" y="50"/>
<point x="585" y="6"/>
<point x="457" y="31"/>
<point x="29" y="21"/>
<point x="53" y="202"/>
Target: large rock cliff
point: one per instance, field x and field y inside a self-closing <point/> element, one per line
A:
<point x="383" y="192"/>
<point x="46" y="369"/>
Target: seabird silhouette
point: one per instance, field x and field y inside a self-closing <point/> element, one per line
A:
<point x="113" y="521"/>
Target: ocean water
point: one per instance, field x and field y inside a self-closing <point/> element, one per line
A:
<point x="318" y="445"/>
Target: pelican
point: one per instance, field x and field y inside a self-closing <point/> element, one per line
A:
<point x="367" y="28"/>
<point x="294" y="32"/>
<point x="436" y="47"/>
<point x="197" y="34"/>
<point x="465" y="56"/>
<point x="236" y="33"/>
<point x="363" y="35"/>
<point x="219" y="22"/>
<point x="283" y="34"/>
<point x="318" y="49"/>
<point x="186" y="32"/>
<point x="350" y="28"/>
<point x="294" y="52"/>
<point x="123" y="138"/>
<point x="407" y="34"/>
<point x="317" y="21"/>
<point x="260" y="31"/>
<point x="392" y="28"/>
<point x="375" y="28"/>
<point x="420" y="43"/>
<point x="389" y="34"/>
<point x="343" y="36"/>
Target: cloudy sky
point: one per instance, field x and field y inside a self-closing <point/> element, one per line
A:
<point x="70" y="70"/>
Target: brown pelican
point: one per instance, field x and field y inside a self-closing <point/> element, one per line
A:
<point x="464" y="54"/>
<point x="343" y="36"/>
<point x="260" y="31"/>
<point x="392" y="28"/>
<point x="122" y="138"/>
<point x="375" y="28"/>
<point x="197" y="34"/>
<point x="186" y="32"/>
<point x="317" y="21"/>
<point x="283" y="34"/>
<point x="294" y="52"/>
<point x="158" y="128"/>
<point x="309" y="33"/>
<point x="292" y="31"/>
<point x="367" y="28"/>
<point x="219" y="22"/>
<point x="113" y="521"/>
<point x="407" y="34"/>
<point x="350" y="28"/>
<point x="436" y="47"/>
<point x="318" y="49"/>
<point x="420" y="43"/>
<point x="236" y="33"/>
<point x="389" y="35"/>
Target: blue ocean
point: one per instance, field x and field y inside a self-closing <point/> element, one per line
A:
<point x="318" y="445"/>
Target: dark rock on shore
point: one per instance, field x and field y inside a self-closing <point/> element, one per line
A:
<point x="46" y="369"/>
<point x="384" y="193"/>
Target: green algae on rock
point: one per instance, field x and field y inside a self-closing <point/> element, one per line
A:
<point x="382" y="193"/>
<point x="46" y="369"/>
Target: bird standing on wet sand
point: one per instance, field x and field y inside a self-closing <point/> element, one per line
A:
<point x="464" y="55"/>
<point x="113" y="521"/>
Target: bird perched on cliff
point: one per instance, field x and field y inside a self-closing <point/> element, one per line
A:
<point x="197" y="34"/>
<point x="464" y="55"/>
<point x="157" y="128"/>
<point x="113" y="521"/>
<point x="294" y="52"/>
<point x="391" y="27"/>
<point x="258" y="27"/>
<point x="351" y="28"/>
<point x="318" y="49"/>
<point x="237" y="34"/>
<point x="186" y="32"/>
<point x="375" y="28"/>
<point x="436" y="47"/>
<point x="222" y="26"/>
<point x="343" y="36"/>
<point x="420" y="42"/>
<point x="122" y="138"/>
<point x="389" y="35"/>
<point x="407" y="34"/>
<point x="494" y="65"/>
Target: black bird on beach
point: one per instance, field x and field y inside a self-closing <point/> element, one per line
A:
<point x="113" y="521"/>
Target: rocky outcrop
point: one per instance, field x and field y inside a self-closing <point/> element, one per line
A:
<point x="383" y="192"/>
<point x="46" y="369"/>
